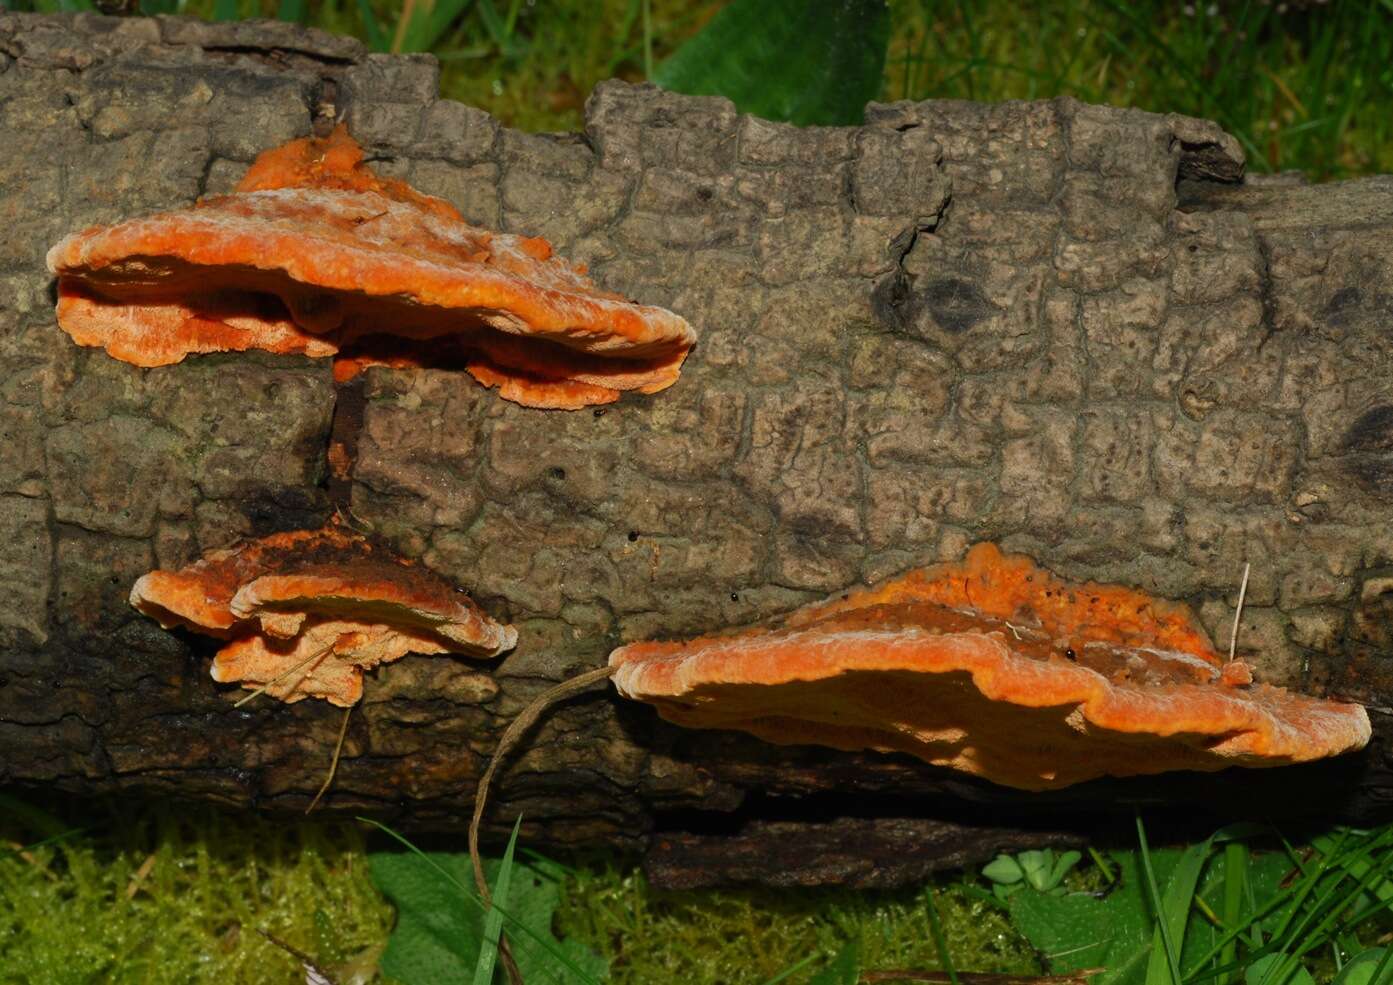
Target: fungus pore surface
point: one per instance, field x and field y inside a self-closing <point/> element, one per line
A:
<point x="995" y="667"/>
<point x="309" y="610"/>
<point x="316" y="254"/>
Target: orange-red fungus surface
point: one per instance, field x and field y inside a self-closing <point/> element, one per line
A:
<point x="315" y="253"/>
<point x="996" y="667"/>
<point x="310" y="610"/>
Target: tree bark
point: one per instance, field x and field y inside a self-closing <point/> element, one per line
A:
<point x="1075" y="330"/>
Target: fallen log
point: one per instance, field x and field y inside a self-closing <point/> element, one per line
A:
<point x="1075" y="330"/>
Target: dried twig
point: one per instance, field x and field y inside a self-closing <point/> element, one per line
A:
<point x="306" y="962"/>
<point x="977" y="978"/>
<point x="1238" y="612"/>
<point x="141" y="873"/>
<point x="320" y="654"/>
<point x="334" y="763"/>
<point x="515" y="731"/>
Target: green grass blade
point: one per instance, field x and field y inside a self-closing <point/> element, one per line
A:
<point x="1235" y="881"/>
<point x="377" y="41"/>
<point x="429" y="22"/>
<point x="493" y="922"/>
<point x="1162" y="924"/>
<point x="936" y="928"/>
<point x="291" y="10"/>
<point x="225" y="10"/>
<point x="791" y="970"/>
<point x="50" y="840"/>
<point x="35" y="818"/>
<point x="1174" y="913"/>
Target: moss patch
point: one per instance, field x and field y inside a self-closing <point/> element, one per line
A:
<point x="164" y="893"/>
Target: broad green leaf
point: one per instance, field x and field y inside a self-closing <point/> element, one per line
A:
<point x="1277" y="969"/>
<point x="1062" y="865"/>
<point x="1118" y="931"/>
<point x="1360" y="969"/>
<point x="440" y="925"/>
<point x="1078" y="931"/>
<point x="1004" y="870"/>
<point x="1037" y="866"/>
<point x="803" y="61"/>
<point x="844" y="969"/>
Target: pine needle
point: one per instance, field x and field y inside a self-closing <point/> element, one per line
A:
<point x="280" y="677"/>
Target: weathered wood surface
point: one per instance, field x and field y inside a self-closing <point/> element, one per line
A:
<point x="1071" y="329"/>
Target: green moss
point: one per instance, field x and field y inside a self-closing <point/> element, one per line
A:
<point x="160" y="893"/>
<point x="156" y="892"/>
<point x="750" y="936"/>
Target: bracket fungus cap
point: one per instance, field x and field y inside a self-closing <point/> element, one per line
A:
<point x="995" y="667"/>
<point x="315" y="253"/>
<point x="329" y="600"/>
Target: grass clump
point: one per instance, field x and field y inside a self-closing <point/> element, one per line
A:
<point x="157" y="893"/>
<point x="1301" y="85"/>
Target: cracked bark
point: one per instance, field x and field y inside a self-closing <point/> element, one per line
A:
<point x="1072" y="329"/>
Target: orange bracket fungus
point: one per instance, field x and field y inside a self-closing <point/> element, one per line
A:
<point x="314" y="253"/>
<point x="995" y="667"/>
<point x="304" y="613"/>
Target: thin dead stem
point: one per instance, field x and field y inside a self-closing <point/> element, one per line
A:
<point x="318" y="654"/>
<point x="977" y="978"/>
<point x="511" y="735"/>
<point x="334" y="763"/>
<point x="1238" y="612"/>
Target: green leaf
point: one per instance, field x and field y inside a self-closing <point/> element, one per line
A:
<point x="844" y="969"/>
<point x="1003" y="870"/>
<point x="440" y="927"/>
<point x="1118" y="931"/>
<point x="1277" y="969"/>
<point x="810" y="62"/>
<point x="225" y="10"/>
<point x="1037" y="865"/>
<point x="1361" y="968"/>
<point x="1078" y="931"/>
<point x="1062" y="865"/>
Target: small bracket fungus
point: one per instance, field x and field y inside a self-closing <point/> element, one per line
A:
<point x="314" y="253"/>
<point x="995" y="667"/>
<point x="306" y="612"/>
